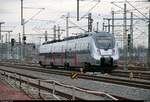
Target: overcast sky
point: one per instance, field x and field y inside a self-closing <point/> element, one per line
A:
<point x="54" y="9"/>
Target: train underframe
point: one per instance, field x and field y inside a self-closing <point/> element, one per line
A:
<point x="105" y="65"/>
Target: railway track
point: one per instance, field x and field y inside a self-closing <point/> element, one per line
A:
<point x="145" y="75"/>
<point x="131" y="74"/>
<point x="134" y="65"/>
<point x="114" y="80"/>
<point x="58" y="93"/>
<point x="133" y="68"/>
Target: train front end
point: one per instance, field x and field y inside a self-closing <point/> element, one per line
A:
<point x="106" y="51"/>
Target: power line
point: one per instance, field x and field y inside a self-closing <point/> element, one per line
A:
<point x="77" y="25"/>
<point x="130" y="1"/>
<point x="133" y="9"/>
<point x="73" y="23"/>
<point x="127" y="11"/>
<point x="136" y="9"/>
<point x="42" y="20"/>
<point x="90" y="10"/>
<point x="32" y="8"/>
<point x="33" y="16"/>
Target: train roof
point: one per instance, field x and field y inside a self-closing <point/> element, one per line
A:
<point x="79" y="36"/>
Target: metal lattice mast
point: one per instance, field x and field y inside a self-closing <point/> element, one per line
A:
<point x="67" y="25"/>
<point x="125" y="37"/>
<point x="112" y="22"/>
<point x="108" y="25"/>
<point x="131" y="32"/>
<point x="148" y="53"/>
<point x="45" y="35"/>
<point x="54" y="32"/>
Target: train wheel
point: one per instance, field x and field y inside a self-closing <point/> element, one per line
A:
<point x="87" y="66"/>
<point x="102" y="62"/>
<point x="66" y="66"/>
<point x="103" y="71"/>
<point x="51" y="64"/>
<point x="108" y="71"/>
<point x="40" y="62"/>
<point x="111" y="62"/>
<point x="43" y="65"/>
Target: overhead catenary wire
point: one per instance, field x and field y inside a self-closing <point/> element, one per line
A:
<point x="127" y="11"/>
<point x="77" y="25"/>
<point x="136" y="9"/>
<point x="33" y="16"/>
<point x="46" y="20"/>
<point x="132" y="9"/>
<point x="32" y="8"/>
<point x="74" y="24"/>
<point x="87" y="4"/>
<point x="90" y="10"/>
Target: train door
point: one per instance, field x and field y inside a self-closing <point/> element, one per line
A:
<point x="66" y="61"/>
<point x="74" y="52"/>
<point x="53" y="55"/>
<point x="78" y="53"/>
<point x="68" y="53"/>
<point x="47" y="59"/>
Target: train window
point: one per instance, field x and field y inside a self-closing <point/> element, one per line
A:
<point x="104" y="42"/>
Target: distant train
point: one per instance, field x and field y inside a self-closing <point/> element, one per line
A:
<point x="91" y="50"/>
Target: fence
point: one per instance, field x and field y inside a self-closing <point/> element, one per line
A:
<point x="27" y="79"/>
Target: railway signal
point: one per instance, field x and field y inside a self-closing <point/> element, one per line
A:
<point x="12" y="42"/>
<point x="129" y="41"/>
<point x="90" y="21"/>
<point x="24" y="39"/>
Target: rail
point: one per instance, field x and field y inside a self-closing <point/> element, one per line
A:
<point x="54" y="83"/>
<point x="113" y="79"/>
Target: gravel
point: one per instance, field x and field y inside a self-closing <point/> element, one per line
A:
<point x="114" y="89"/>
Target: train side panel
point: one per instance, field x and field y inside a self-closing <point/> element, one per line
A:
<point x="78" y="53"/>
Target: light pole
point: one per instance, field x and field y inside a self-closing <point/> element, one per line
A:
<point x="23" y="22"/>
<point x="148" y="53"/>
<point x="23" y="30"/>
<point x="125" y="37"/>
<point x="1" y="40"/>
<point x="67" y="25"/>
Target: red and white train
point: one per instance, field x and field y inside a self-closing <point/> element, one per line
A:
<point x="91" y="50"/>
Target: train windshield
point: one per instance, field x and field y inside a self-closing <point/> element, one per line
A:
<point x="104" y="42"/>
